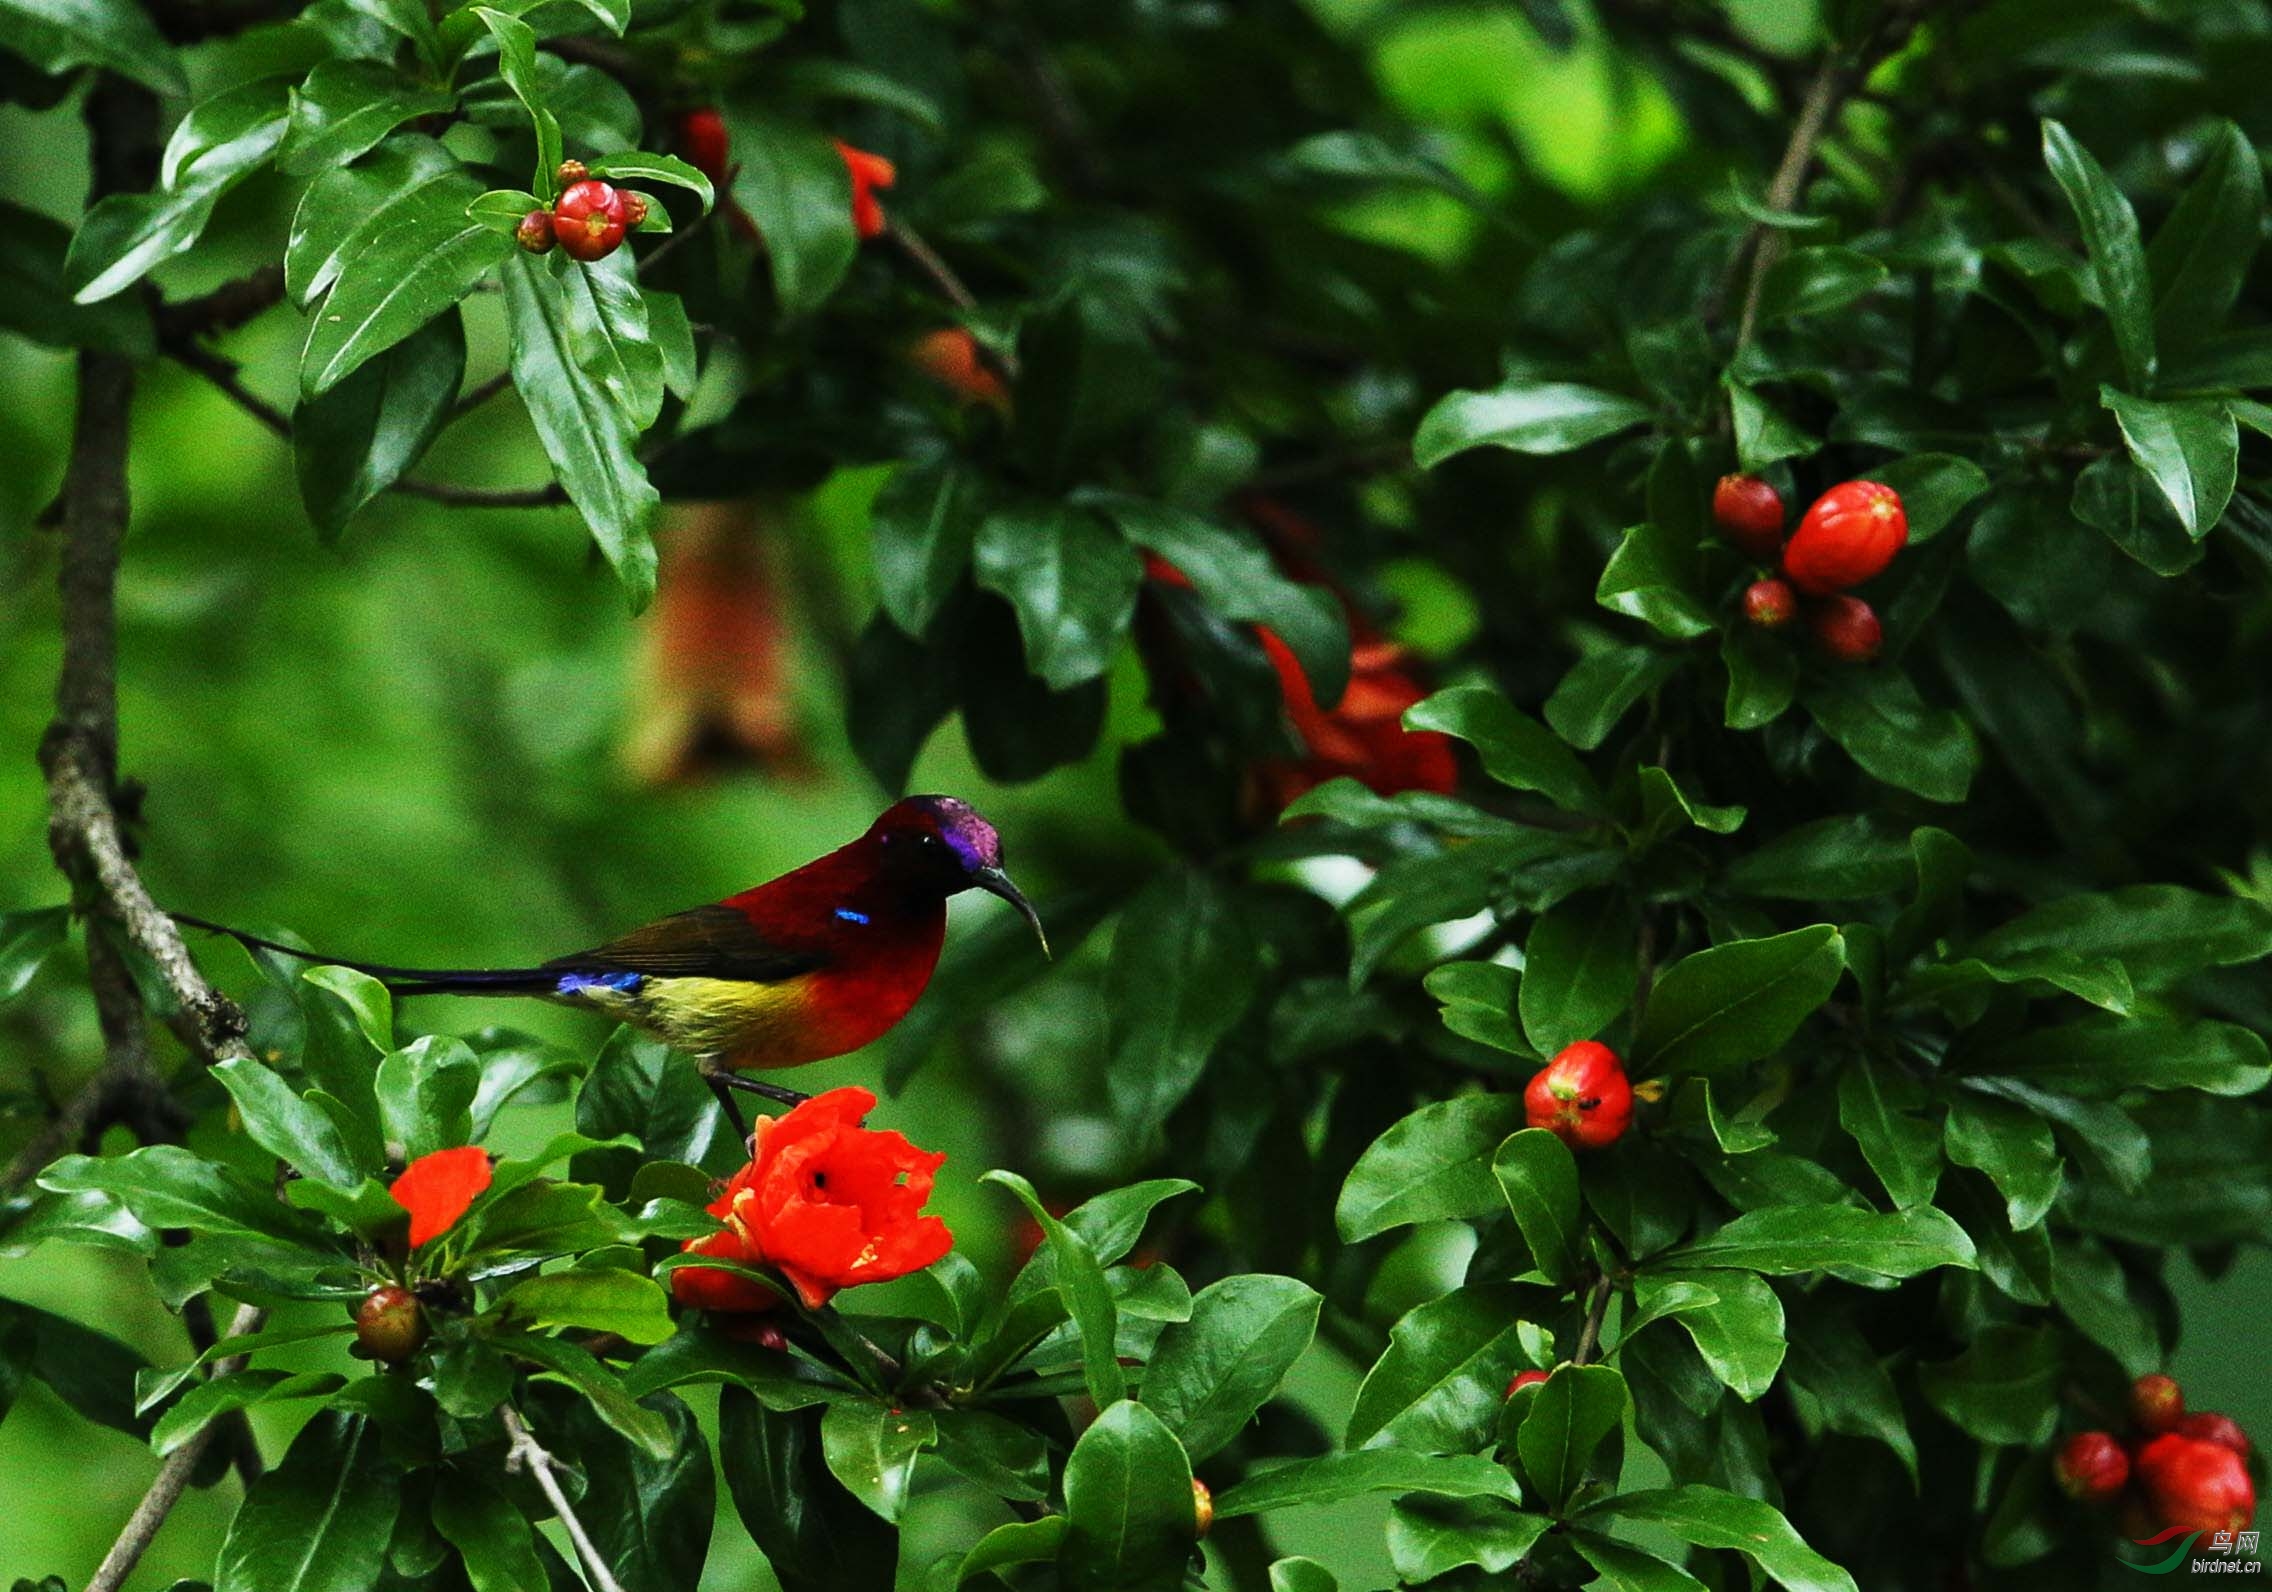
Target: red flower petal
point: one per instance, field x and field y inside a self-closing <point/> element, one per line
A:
<point x="437" y="1188"/>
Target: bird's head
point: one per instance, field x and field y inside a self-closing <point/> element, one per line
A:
<point x="941" y="843"/>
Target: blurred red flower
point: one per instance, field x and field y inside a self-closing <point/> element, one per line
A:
<point x="869" y="173"/>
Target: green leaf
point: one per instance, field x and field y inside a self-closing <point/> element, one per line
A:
<point x="1433" y="1165"/>
<point x="425" y="1094"/>
<point x="924" y="524"/>
<point x="652" y="1433"/>
<point x="598" y="1300"/>
<point x="2013" y="1147"/>
<point x="1072" y="581"/>
<point x="1829" y="859"/>
<point x="1440" y="1385"/>
<point x="347" y="207"/>
<point x="1784" y="1240"/>
<point x="26" y="938"/>
<point x="2110" y="237"/>
<point x="492" y="1536"/>
<point x="2094" y="1293"/>
<point x="1739" y="1335"/>
<point x="1601" y="688"/>
<point x="1735" y="1003"/>
<point x="816" y="1536"/>
<point x="1628" y="1569"/>
<point x="1817" y="281"/>
<point x="1527" y="416"/>
<point x="1763" y="677"/>
<point x="1572" y="1411"/>
<point x="607" y="330"/>
<point x="1711" y="1518"/>
<point x="1887" y="728"/>
<point x="1580" y="968"/>
<point x="218" y="144"/>
<point x="344" y="108"/>
<point x="641" y="166"/>
<point x="363" y="435"/>
<point x="1667" y="807"/>
<point x="35" y="301"/>
<point x="2160" y="933"/>
<point x="1429" y="1537"/>
<point x="1238" y="580"/>
<point x="649" y="1509"/>
<point x="2103" y="1056"/>
<point x="2004" y="1388"/>
<point x="318" y="1522"/>
<point x="2189" y="447"/>
<point x="1018" y="1542"/>
<point x="1086" y="1294"/>
<point x="1763" y="435"/>
<point x="1478" y="1001"/>
<point x="1516" y="749"/>
<point x="1935" y="488"/>
<point x="57" y="35"/>
<point x="1876" y="1102"/>
<point x="2200" y="258"/>
<point x="641" y="1087"/>
<point x="407" y="264"/>
<point x="1183" y="970"/>
<point x="1335" y="1478"/>
<point x="1302" y="1575"/>
<point x="1650" y="578"/>
<point x="794" y="186"/>
<point x="871" y="1448"/>
<point x="165" y="1185"/>
<point x="585" y="433"/>
<point x="288" y="1127"/>
<point x="1128" y="1504"/>
<point x="206" y="1402"/>
<point x="516" y="64"/>
<point x="1208" y="1375"/>
<point x="1539" y="1177"/>
<point x="367" y="1000"/>
<point x="1837" y="1382"/>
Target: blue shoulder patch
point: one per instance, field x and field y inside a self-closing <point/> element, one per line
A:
<point x="850" y="916"/>
<point x="578" y="983"/>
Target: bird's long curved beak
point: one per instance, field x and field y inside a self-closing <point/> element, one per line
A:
<point x="997" y="883"/>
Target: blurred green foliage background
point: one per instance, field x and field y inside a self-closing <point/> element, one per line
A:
<point x="411" y="747"/>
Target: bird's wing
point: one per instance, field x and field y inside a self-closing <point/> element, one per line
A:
<point x="706" y="942"/>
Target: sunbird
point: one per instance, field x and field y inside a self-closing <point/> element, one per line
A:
<point x="818" y="962"/>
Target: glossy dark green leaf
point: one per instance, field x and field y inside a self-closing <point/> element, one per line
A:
<point x="1439" y="1387"/>
<point x="1238" y="580"/>
<point x="1478" y="1001"/>
<point x="1739" y="1335"/>
<point x="1572" y="1411"/>
<point x="1668" y="806"/>
<point x="1735" y="1003"/>
<point x="1302" y="1575"/>
<point x="1935" y="488"/>
<point x="871" y="1447"/>
<point x="1764" y="436"/>
<point x="1712" y="1518"/>
<point x="319" y="1521"/>
<point x="1334" y="1478"/>
<point x="1182" y="972"/>
<point x="206" y="1402"/>
<point x="1784" y="1240"/>
<point x="1128" y="1505"/>
<point x="1072" y="581"/>
<point x="2013" y="1147"/>
<point x="1818" y="280"/>
<point x="816" y="1536"/>
<point x="1525" y="415"/>
<point x="1539" y="1177"/>
<point x="1580" y="966"/>
<point x="288" y="1127"/>
<point x="2189" y="448"/>
<point x="165" y="1185"/>
<point x="1651" y="578"/>
<point x="1763" y="677"/>
<point x="1087" y="1297"/>
<point x="2159" y="933"/>
<point x="1433" y="1165"/>
<point x="2115" y="497"/>
<point x="1008" y="1546"/>
<point x="795" y="187"/>
<point x="345" y="107"/>
<point x="1431" y="1537"/>
<point x="654" y="1426"/>
<point x="344" y="208"/>
<point x="492" y="1536"/>
<point x="1838" y="1383"/>
<point x="607" y="328"/>
<point x="1878" y="1105"/>
<point x="1516" y="749"/>
<point x="57" y="35"/>
<point x="2103" y="1056"/>
<point x="648" y="1509"/>
<point x="924" y="523"/>
<point x="1627" y="1569"/>
<point x="1890" y="731"/>
<point x="2004" y="1388"/>
<point x="36" y="303"/>
<point x="364" y="435"/>
<point x="1826" y="859"/>
<point x="26" y="939"/>
<point x="2110" y="237"/>
<point x="586" y="434"/>
<point x="602" y="1299"/>
<point x="1210" y="1374"/>
<point x="2199" y="259"/>
<point x="643" y="168"/>
<point x="1601" y="688"/>
<point x="517" y="65"/>
<point x="404" y="266"/>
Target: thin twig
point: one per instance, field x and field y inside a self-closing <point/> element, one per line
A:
<point x="942" y="276"/>
<point x="527" y="1453"/>
<point x="1767" y="243"/>
<point x="1597" y="1309"/>
<point x="165" y="1491"/>
<point x="482" y="394"/>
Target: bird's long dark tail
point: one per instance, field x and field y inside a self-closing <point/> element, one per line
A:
<point x="402" y="980"/>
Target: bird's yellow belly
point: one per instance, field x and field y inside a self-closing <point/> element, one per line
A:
<point x="747" y="1025"/>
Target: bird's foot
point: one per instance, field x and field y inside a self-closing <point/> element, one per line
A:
<point x="724" y="1082"/>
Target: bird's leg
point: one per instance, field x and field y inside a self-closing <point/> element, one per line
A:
<point x="769" y="1091"/>
<point x="720" y="1082"/>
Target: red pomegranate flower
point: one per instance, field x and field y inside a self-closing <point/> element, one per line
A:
<point x="869" y="173"/>
<point x="827" y="1203"/>
<point x="437" y="1188"/>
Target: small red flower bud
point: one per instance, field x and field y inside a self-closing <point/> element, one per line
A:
<point x="2196" y="1486"/>
<point x="702" y="137"/>
<point x="2157" y="1403"/>
<point x="1749" y="513"/>
<point x="588" y="220"/>
<point x="2091" y="1467"/>
<point x="1524" y="1379"/>
<point x="535" y="232"/>
<point x="390" y="1325"/>
<point x="1850" y="534"/>
<point x="1582" y="1097"/>
<point x="634" y="210"/>
<point x="1202" y="1507"/>
<point x="571" y="172"/>
<point x="869" y="173"/>
<point x="2207" y="1426"/>
<point x="1847" y="628"/>
<point x="1770" y="604"/>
